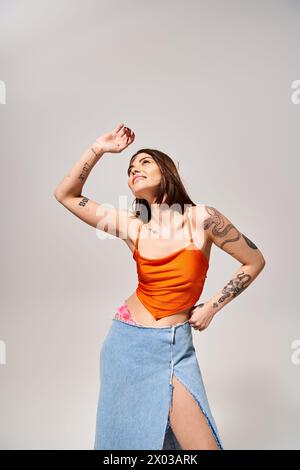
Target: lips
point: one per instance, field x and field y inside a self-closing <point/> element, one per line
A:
<point x="137" y="178"/>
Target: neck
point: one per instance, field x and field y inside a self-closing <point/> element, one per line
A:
<point x="165" y="217"/>
<point x="160" y="214"/>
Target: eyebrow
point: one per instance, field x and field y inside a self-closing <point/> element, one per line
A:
<point x="139" y="162"/>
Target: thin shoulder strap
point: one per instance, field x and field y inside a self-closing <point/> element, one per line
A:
<point x="138" y="236"/>
<point x="189" y="226"/>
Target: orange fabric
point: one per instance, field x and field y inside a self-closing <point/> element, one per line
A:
<point x="173" y="283"/>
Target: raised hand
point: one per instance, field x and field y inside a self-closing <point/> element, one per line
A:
<point x="115" y="141"/>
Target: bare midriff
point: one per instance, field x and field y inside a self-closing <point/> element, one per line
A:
<point x="142" y="316"/>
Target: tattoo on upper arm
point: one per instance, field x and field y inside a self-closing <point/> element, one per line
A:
<point x="249" y="242"/>
<point x="220" y="229"/>
<point x="85" y="170"/>
<point x="83" y="201"/>
<point x="234" y="287"/>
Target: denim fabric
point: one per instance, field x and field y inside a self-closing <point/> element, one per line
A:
<point x="136" y="367"/>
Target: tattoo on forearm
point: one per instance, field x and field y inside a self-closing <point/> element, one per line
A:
<point x="249" y="242"/>
<point x="85" y="170"/>
<point x="234" y="287"/>
<point x="83" y="201"/>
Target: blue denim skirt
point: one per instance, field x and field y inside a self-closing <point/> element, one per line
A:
<point x="136" y="367"/>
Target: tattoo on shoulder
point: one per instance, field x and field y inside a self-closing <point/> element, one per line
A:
<point x="83" y="201"/>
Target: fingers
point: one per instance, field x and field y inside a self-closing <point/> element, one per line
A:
<point x="119" y="127"/>
<point x="123" y="130"/>
<point x="127" y="130"/>
<point x="125" y="134"/>
<point x="199" y="328"/>
<point x="131" y="136"/>
<point x="128" y="134"/>
<point x="198" y="325"/>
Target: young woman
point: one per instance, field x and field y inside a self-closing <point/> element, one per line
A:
<point x="152" y="394"/>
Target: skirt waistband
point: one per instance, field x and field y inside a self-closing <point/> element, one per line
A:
<point x="170" y="328"/>
<point x="124" y="315"/>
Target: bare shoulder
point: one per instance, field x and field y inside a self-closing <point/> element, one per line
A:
<point x="199" y="214"/>
<point x="199" y="217"/>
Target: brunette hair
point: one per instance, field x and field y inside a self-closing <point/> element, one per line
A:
<point x="171" y="187"/>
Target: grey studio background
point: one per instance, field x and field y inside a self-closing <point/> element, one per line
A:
<point x="214" y="85"/>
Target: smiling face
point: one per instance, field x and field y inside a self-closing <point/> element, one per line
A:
<point x="144" y="176"/>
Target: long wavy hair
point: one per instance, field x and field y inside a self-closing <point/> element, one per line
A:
<point x="171" y="190"/>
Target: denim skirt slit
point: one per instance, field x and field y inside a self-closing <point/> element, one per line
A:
<point x="136" y="366"/>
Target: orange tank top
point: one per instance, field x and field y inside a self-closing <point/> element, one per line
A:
<point x="171" y="284"/>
